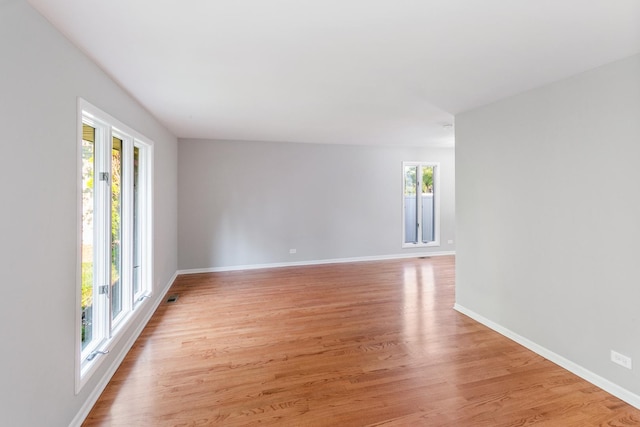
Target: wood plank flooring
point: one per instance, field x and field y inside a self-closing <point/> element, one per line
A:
<point x="362" y="344"/>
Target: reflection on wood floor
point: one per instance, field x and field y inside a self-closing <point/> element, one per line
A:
<point x="370" y="343"/>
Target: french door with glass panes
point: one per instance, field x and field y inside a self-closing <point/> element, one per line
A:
<point x="421" y="220"/>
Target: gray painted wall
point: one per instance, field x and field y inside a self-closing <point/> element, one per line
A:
<point x="246" y="203"/>
<point x="41" y="74"/>
<point x="536" y="175"/>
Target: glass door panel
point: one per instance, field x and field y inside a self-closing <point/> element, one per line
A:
<point x="428" y="217"/>
<point x="410" y="205"/>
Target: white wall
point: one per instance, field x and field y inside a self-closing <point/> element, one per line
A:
<point x="548" y="217"/>
<point x="41" y="76"/>
<point x="248" y="203"/>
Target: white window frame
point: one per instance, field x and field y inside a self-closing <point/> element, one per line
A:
<point x="110" y="331"/>
<point x="436" y="201"/>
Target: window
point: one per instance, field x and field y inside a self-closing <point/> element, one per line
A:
<point x="421" y="204"/>
<point x="114" y="233"/>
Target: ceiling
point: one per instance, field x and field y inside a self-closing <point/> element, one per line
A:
<point x="384" y="72"/>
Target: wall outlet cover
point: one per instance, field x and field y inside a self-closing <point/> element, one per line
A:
<point x="621" y="359"/>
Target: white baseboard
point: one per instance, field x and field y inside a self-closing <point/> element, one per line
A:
<point x="102" y="384"/>
<point x="314" y="262"/>
<point x="608" y="386"/>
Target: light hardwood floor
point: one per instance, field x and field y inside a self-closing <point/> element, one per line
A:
<point x="371" y="343"/>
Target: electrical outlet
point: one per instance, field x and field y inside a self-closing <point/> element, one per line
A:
<point x="621" y="359"/>
<point x="293" y="251"/>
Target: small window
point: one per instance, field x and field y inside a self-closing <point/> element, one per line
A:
<point x="114" y="233"/>
<point x="420" y="204"/>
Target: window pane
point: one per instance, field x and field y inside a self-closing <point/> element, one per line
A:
<point x="428" y="217"/>
<point x="86" y="260"/>
<point x="136" y="221"/>
<point x="113" y="256"/>
<point x="410" y="205"/>
<point x="116" y="228"/>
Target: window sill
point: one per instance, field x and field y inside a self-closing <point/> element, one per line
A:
<point x="420" y="245"/>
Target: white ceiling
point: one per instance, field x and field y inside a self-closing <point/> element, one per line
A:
<point x="339" y="71"/>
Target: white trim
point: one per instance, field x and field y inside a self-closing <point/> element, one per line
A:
<point x="93" y="111"/>
<point x="104" y="381"/>
<point x="314" y="262"/>
<point x="595" y="379"/>
<point x="78" y="289"/>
